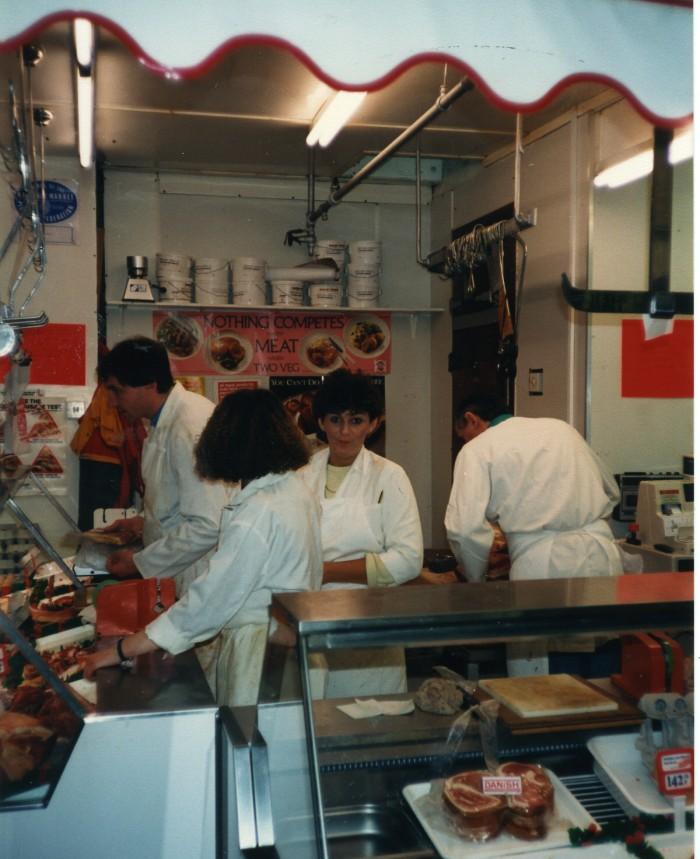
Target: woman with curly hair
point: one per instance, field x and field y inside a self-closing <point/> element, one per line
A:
<point x="269" y="540"/>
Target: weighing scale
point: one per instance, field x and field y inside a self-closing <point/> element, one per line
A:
<point x="137" y="288"/>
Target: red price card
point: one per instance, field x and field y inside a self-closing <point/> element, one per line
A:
<point x="674" y="771"/>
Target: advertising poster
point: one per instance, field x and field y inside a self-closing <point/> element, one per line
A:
<point x="39" y="440"/>
<point x="274" y="343"/>
<point x="297" y="395"/>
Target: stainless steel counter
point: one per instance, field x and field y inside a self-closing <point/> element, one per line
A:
<point x="354" y="770"/>
<point x="146" y="761"/>
<point x="157" y="684"/>
<point x="488" y="611"/>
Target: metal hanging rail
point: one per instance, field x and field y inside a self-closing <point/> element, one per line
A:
<point x="437" y="262"/>
<point x="442" y="103"/>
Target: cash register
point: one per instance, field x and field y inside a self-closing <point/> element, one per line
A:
<point x="664" y="534"/>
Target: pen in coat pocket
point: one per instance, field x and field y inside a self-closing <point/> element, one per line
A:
<point x="381" y="495"/>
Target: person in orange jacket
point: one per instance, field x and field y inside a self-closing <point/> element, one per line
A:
<point x="108" y="445"/>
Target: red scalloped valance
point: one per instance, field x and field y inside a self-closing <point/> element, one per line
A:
<point x="520" y="53"/>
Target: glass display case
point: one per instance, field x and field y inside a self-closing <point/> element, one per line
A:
<point x="134" y="747"/>
<point x="138" y="779"/>
<point x="137" y="747"/>
<point x="40" y="717"/>
<point x="336" y="781"/>
<point x="40" y="722"/>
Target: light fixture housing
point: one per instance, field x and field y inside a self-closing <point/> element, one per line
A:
<point x="9" y="339"/>
<point x="641" y="163"/>
<point x="84" y="41"/>
<point x="333" y="116"/>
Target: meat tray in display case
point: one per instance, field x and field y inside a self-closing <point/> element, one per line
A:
<point x="122" y="766"/>
<point x="40" y="721"/>
<point x="442" y="767"/>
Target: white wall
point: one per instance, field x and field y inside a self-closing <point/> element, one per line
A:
<point x="557" y="171"/>
<point x="68" y="294"/>
<point x="634" y="434"/>
<point x="213" y="216"/>
<point x="551" y="335"/>
<point x="225" y="217"/>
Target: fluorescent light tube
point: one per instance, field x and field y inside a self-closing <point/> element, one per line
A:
<point x="84" y="39"/>
<point x="642" y="164"/>
<point x="626" y="171"/>
<point x="333" y="117"/>
<point x="681" y="148"/>
<point x="86" y="119"/>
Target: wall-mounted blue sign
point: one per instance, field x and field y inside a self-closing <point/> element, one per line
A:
<point x="58" y="204"/>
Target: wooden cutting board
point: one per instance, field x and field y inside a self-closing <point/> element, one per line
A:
<point x="543" y="695"/>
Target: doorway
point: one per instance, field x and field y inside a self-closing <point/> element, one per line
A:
<point x="477" y="332"/>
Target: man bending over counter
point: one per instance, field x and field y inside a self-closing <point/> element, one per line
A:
<point x="542" y="484"/>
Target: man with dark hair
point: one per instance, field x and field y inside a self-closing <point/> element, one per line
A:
<point x="549" y="493"/>
<point x="475" y="413"/>
<point x="181" y="512"/>
<point x="137" y="362"/>
<point x="542" y="484"/>
<point x="538" y="480"/>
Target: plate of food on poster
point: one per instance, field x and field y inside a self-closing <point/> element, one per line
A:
<point x="229" y="353"/>
<point x="180" y="335"/>
<point x="322" y="353"/>
<point x="366" y="336"/>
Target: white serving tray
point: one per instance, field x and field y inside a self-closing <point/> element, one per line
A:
<point x="618" y="764"/>
<point x="65" y="638"/>
<point x="568" y="812"/>
<point x="87" y="689"/>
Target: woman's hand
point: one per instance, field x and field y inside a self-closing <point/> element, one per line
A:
<point x="120" y="564"/>
<point x="132" y="645"/>
<point x="102" y="658"/>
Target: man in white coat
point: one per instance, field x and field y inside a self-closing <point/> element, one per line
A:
<point x="181" y="512"/>
<point x="543" y="485"/>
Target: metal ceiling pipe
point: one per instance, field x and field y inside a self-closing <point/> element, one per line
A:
<point x="419" y="239"/>
<point x="443" y="102"/>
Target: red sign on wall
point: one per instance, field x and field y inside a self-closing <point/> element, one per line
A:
<point x="223" y="389"/>
<point x="660" y="367"/>
<point x="57" y="351"/>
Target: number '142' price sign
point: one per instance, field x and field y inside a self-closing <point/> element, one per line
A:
<point x="674" y="771"/>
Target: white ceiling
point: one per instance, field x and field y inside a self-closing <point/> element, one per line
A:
<point x="250" y="114"/>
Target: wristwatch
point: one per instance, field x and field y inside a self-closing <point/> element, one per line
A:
<point x="124" y="661"/>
